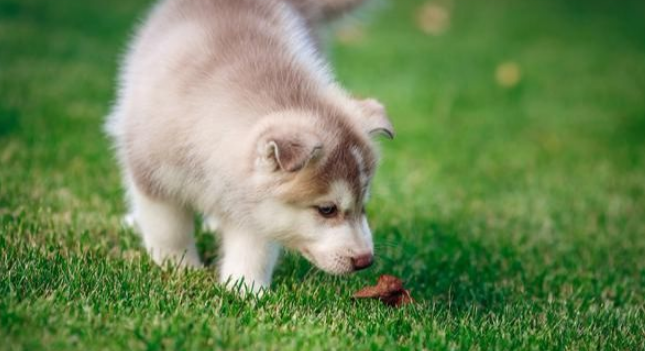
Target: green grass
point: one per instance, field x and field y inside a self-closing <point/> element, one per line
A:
<point x="515" y="215"/>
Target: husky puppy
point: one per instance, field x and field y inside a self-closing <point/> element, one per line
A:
<point x="226" y="108"/>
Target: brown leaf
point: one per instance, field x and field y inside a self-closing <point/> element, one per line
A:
<point x="389" y="283"/>
<point x="406" y="298"/>
<point x="508" y="74"/>
<point x="350" y="34"/>
<point x="389" y="289"/>
<point x="368" y="292"/>
<point x="433" y="18"/>
<point x="398" y="299"/>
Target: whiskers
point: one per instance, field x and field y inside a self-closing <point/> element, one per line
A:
<point x="386" y="244"/>
<point x="389" y="246"/>
<point x="390" y="252"/>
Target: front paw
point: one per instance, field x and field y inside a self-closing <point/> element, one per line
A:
<point x="244" y="286"/>
<point x="184" y="259"/>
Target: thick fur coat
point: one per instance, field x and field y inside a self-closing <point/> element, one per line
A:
<point x="226" y="108"/>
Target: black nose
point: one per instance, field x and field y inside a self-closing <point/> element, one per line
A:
<point x="362" y="261"/>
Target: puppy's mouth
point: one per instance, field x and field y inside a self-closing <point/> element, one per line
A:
<point x="338" y="269"/>
<point x="308" y="256"/>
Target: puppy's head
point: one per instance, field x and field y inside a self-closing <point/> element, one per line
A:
<point x="316" y="173"/>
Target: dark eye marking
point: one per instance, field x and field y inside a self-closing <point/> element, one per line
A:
<point x="327" y="211"/>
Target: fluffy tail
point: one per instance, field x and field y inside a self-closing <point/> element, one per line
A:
<point x="324" y="10"/>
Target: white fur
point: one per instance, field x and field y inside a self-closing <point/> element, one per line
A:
<point x="328" y="247"/>
<point x="302" y="48"/>
<point x="341" y="195"/>
<point x="167" y="230"/>
<point x="248" y="258"/>
<point x="198" y="147"/>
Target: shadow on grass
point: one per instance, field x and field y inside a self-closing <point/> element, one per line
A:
<point x="444" y="265"/>
<point x="438" y="263"/>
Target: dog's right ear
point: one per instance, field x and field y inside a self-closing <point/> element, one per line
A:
<point x="376" y="122"/>
<point x="289" y="152"/>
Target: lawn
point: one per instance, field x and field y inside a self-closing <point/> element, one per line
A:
<point x="513" y="207"/>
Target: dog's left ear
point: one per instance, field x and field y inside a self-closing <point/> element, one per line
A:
<point x="290" y="152"/>
<point x="376" y="121"/>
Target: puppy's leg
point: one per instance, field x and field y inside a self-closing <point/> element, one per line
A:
<point x="247" y="257"/>
<point x="167" y="229"/>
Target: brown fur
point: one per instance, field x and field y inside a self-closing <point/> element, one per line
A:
<point x="227" y="108"/>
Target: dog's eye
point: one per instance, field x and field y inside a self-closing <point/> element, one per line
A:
<point x="328" y="211"/>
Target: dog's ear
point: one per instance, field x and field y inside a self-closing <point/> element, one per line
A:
<point x="290" y="153"/>
<point x="375" y="121"/>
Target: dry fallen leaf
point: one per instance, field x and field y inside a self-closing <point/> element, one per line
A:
<point x="350" y="34"/>
<point x="389" y="289"/>
<point x="401" y="298"/>
<point x="433" y="18"/>
<point x="508" y="74"/>
<point x="368" y="292"/>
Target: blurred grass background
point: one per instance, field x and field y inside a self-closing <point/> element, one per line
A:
<point x="512" y="200"/>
